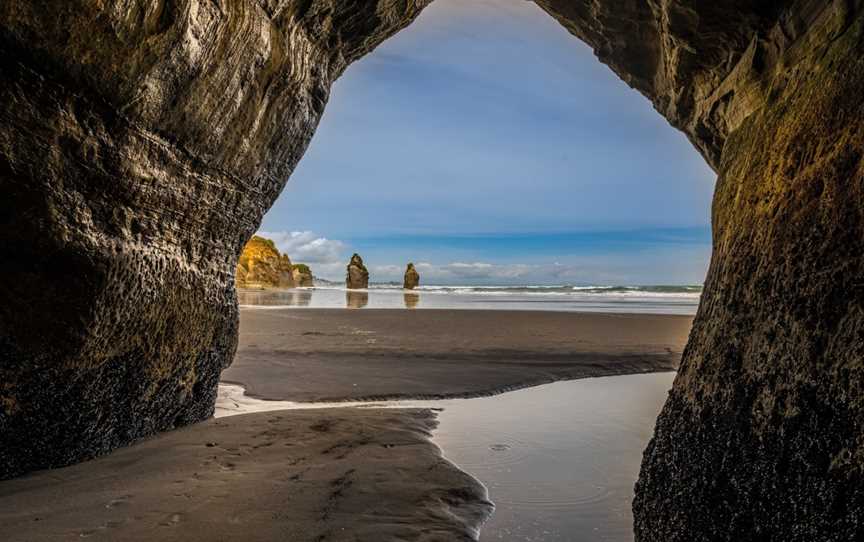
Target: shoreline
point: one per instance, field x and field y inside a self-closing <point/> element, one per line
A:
<point x="350" y="402"/>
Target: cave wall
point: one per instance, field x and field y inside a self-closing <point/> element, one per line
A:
<point x="761" y="437"/>
<point x="143" y="141"/>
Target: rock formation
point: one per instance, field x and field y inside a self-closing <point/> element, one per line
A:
<point x="412" y="278"/>
<point x="262" y="266"/>
<point x="357" y="276"/>
<point x="762" y="437"/>
<point x="141" y="140"/>
<point x="303" y="275"/>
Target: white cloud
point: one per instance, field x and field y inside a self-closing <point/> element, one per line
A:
<point x="306" y="247"/>
<point x="464" y="272"/>
<point x="658" y="266"/>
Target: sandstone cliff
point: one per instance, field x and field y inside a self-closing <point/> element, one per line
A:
<point x="262" y="266"/>
<point x="357" y="276"/>
<point x="412" y="278"/>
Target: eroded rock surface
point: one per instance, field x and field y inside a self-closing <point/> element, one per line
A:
<point x="357" y="276"/>
<point x="761" y="438"/>
<point x="139" y="140"/>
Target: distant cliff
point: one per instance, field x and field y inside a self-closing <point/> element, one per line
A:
<point x="262" y="266"/>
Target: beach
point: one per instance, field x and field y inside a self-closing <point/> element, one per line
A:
<point x="368" y="474"/>
<point x="313" y="475"/>
<point x="341" y="355"/>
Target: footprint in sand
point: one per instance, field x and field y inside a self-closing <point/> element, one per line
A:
<point x="172" y="520"/>
<point x="120" y="501"/>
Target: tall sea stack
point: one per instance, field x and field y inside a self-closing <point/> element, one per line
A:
<point x="357" y="276"/>
<point x="412" y="278"/>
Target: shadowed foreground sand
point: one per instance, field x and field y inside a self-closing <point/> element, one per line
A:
<point x="336" y="355"/>
<point x="311" y="475"/>
<point x="332" y="474"/>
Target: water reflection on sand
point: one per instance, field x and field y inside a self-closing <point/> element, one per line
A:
<point x="356" y="300"/>
<point x="276" y="298"/>
<point x="397" y="298"/>
<point x="411" y="300"/>
<point x="559" y="460"/>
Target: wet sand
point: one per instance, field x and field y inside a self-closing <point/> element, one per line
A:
<point x="341" y="355"/>
<point x="342" y="473"/>
<point x="313" y="475"/>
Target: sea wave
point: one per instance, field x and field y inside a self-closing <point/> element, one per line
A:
<point x="585" y="291"/>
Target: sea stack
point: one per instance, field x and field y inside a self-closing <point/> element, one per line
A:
<point x="302" y="275"/>
<point x="412" y="278"/>
<point x="358" y="275"/>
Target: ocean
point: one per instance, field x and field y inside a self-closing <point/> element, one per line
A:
<point x="655" y="299"/>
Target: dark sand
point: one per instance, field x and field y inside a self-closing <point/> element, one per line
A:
<point x="336" y="355"/>
<point x="335" y="474"/>
<point x="312" y="475"/>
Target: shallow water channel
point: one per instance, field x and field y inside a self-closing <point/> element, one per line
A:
<point x="559" y="460"/>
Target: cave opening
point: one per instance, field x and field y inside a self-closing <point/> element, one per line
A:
<point x="487" y="144"/>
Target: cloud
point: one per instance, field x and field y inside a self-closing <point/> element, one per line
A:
<point x="674" y="265"/>
<point x="466" y="272"/>
<point x="306" y="247"/>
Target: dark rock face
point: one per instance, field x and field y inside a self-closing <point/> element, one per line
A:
<point x="357" y="276"/>
<point x="140" y="141"/>
<point x="412" y="278"/>
<point x="761" y="438"/>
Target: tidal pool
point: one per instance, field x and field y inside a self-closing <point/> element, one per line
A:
<point x="559" y="460"/>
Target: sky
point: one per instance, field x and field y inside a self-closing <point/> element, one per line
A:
<point x="489" y="146"/>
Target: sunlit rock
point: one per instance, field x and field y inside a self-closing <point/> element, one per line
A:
<point x="303" y="275"/>
<point x="262" y="266"/>
<point x="412" y="278"/>
<point x="357" y="276"/>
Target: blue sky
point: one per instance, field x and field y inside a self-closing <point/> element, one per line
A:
<point x="491" y="146"/>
